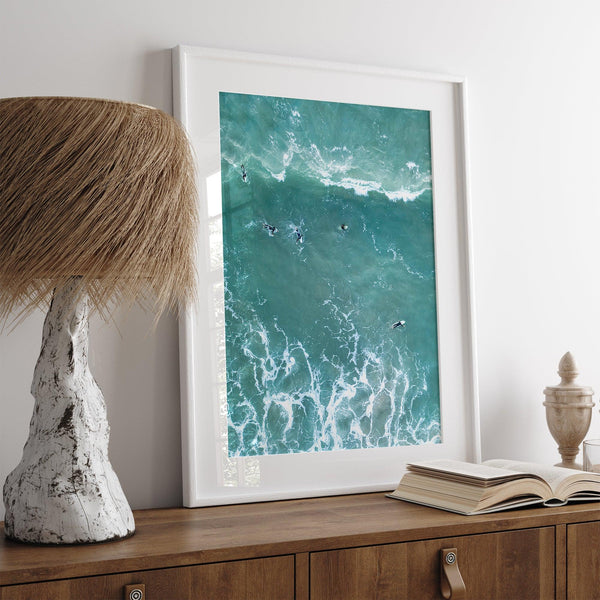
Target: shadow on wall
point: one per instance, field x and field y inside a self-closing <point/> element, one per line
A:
<point x="143" y="377"/>
<point x="157" y="86"/>
<point x="137" y="368"/>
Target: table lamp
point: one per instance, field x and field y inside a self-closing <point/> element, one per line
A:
<point x="97" y="209"/>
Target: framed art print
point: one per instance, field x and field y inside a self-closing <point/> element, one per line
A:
<point x="332" y="339"/>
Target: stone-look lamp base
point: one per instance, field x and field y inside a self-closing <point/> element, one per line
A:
<point x="568" y="412"/>
<point x="64" y="490"/>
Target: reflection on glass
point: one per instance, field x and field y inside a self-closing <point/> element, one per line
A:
<point x="232" y="471"/>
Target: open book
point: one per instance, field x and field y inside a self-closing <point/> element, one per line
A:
<point x="494" y="485"/>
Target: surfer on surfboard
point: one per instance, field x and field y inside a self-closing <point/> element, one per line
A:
<point x="399" y="324"/>
<point x="270" y="228"/>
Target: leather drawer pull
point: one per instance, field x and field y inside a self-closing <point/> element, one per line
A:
<point x="451" y="581"/>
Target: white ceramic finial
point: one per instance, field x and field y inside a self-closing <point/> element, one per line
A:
<point x="567" y="369"/>
<point x="568" y="411"/>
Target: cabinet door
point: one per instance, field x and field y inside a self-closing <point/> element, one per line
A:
<point x="583" y="561"/>
<point x="259" y="579"/>
<point x="515" y="564"/>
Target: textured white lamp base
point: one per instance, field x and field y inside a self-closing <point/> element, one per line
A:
<point x="64" y="490"/>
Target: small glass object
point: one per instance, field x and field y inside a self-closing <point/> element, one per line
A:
<point x="591" y="456"/>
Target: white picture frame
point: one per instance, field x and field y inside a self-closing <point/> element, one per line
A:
<point x="210" y="477"/>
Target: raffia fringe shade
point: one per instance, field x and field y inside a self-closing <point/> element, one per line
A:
<point x="98" y="189"/>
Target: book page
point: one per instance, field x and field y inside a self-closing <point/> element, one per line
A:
<point x="459" y="508"/>
<point x="465" y="470"/>
<point x="554" y="476"/>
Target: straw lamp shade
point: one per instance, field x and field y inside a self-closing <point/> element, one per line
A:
<point x="97" y="208"/>
<point x="99" y="189"/>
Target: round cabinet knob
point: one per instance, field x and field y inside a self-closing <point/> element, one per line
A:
<point x="450" y="558"/>
<point x="136" y="591"/>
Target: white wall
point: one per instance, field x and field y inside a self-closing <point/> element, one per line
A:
<point x="534" y="110"/>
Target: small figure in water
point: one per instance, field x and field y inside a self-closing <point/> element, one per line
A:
<point x="244" y="174"/>
<point x="398" y="324"/>
<point x="299" y="236"/>
<point x="271" y="229"/>
<point x="343" y="226"/>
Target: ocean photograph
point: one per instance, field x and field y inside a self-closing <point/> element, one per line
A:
<point x="329" y="276"/>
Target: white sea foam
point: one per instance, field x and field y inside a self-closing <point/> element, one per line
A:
<point x="405" y="195"/>
<point x="278" y="176"/>
<point x="360" y="187"/>
<point x="331" y="171"/>
<point x="364" y="187"/>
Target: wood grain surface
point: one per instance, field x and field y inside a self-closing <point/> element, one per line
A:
<point x="182" y="537"/>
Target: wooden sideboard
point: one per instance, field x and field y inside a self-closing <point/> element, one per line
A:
<point x="355" y="547"/>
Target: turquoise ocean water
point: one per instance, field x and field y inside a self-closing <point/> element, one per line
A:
<point x="327" y="243"/>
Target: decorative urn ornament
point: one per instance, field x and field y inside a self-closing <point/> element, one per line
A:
<point x="97" y="208"/>
<point x="568" y="411"/>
